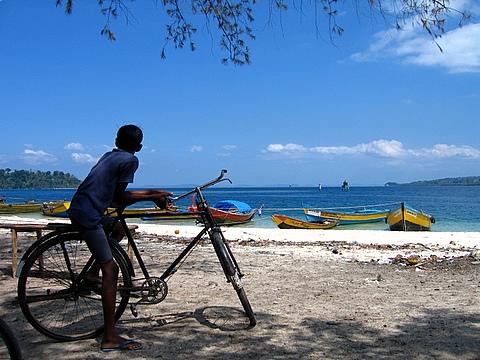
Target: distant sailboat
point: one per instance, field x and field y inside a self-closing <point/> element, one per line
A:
<point x="319" y="187"/>
<point x="345" y="185"/>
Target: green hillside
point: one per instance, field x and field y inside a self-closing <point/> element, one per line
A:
<point x="457" y="181"/>
<point x="28" y="179"/>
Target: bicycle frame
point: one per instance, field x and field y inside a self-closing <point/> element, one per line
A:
<point x="203" y="211"/>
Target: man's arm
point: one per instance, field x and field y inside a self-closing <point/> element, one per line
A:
<point x="125" y="198"/>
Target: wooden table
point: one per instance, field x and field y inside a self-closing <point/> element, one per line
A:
<point x="37" y="228"/>
<point x="16" y="228"/>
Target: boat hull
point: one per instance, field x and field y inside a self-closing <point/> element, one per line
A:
<point x="56" y="210"/>
<point x="286" y="222"/>
<point x="170" y="215"/>
<point x="20" y="208"/>
<point x="406" y="218"/>
<point x="60" y="210"/>
<point x="361" y="217"/>
<point x="231" y="218"/>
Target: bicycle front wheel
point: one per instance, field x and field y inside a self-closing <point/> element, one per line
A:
<point x="52" y="298"/>
<point x="231" y="272"/>
<point x="9" y="348"/>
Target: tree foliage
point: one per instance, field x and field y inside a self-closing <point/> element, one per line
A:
<point x="27" y="179"/>
<point x="456" y="181"/>
<point x="234" y="18"/>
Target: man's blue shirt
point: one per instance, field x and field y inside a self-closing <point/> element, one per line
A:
<point x="95" y="194"/>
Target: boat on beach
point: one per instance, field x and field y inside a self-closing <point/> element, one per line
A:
<point x="56" y="210"/>
<point x="27" y="207"/>
<point x="286" y="222"/>
<point x="406" y="218"/>
<point x="361" y="216"/>
<point x="169" y="215"/>
<point x="20" y="208"/>
<point x="60" y="210"/>
<point x="230" y="212"/>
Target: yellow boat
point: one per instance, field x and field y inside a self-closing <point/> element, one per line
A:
<point x="406" y="218"/>
<point x="28" y="207"/>
<point x="286" y="222"/>
<point x="56" y="210"/>
<point x="60" y="210"/>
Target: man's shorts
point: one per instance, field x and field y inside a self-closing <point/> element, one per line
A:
<point x="97" y="239"/>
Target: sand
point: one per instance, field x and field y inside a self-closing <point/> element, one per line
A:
<point x="333" y="294"/>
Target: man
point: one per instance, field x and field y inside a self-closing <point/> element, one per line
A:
<point x="106" y="186"/>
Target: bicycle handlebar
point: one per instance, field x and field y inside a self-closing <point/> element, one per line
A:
<point x="220" y="178"/>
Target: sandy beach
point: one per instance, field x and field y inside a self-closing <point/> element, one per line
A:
<point x="317" y="295"/>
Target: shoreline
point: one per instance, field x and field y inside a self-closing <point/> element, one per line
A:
<point x="379" y="246"/>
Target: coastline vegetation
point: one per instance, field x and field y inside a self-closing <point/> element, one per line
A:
<point x="28" y="179"/>
<point x="454" y="181"/>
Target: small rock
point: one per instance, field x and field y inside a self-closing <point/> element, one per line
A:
<point x="413" y="259"/>
<point x="475" y="254"/>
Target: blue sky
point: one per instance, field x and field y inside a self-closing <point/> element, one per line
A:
<point x="374" y="106"/>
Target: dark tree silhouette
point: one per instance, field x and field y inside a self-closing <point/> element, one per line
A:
<point x="28" y="179"/>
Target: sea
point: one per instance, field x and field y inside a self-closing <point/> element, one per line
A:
<point x="455" y="208"/>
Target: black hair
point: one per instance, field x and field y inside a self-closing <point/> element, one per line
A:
<point x="129" y="138"/>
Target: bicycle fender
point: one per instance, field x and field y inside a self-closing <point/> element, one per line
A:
<point x="117" y="247"/>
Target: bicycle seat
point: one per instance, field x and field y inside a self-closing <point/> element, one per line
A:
<point x="62" y="227"/>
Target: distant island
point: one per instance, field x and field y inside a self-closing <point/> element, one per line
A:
<point x="457" y="181"/>
<point x="28" y="179"/>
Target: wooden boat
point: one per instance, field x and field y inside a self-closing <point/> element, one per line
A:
<point x="230" y="212"/>
<point x="138" y="212"/>
<point x="406" y="218"/>
<point x="28" y="207"/>
<point x="361" y="216"/>
<point x="170" y="215"/>
<point x="60" y="210"/>
<point x="56" y="210"/>
<point x="285" y="222"/>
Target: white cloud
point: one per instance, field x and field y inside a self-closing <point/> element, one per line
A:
<point x="82" y="158"/>
<point x="196" y="148"/>
<point x="35" y="157"/>
<point x="461" y="48"/>
<point x="74" y="146"/>
<point x="446" y="151"/>
<point x="227" y="150"/>
<point x="391" y="149"/>
<point x="287" y="148"/>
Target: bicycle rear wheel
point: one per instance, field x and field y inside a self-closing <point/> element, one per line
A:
<point x="9" y="348"/>
<point x="231" y="272"/>
<point x="54" y="301"/>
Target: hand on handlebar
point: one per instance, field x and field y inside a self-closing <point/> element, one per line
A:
<point x="162" y="199"/>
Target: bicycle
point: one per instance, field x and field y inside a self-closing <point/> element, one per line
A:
<point x="57" y="300"/>
<point x="9" y="347"/>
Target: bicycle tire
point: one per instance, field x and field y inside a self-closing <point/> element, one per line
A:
<point x="51" y="302"/>
<point x="232" y="273"/>
<point x="9" y="347"/>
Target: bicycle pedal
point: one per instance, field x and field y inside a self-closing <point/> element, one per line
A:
<point x="134" y="311"/>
